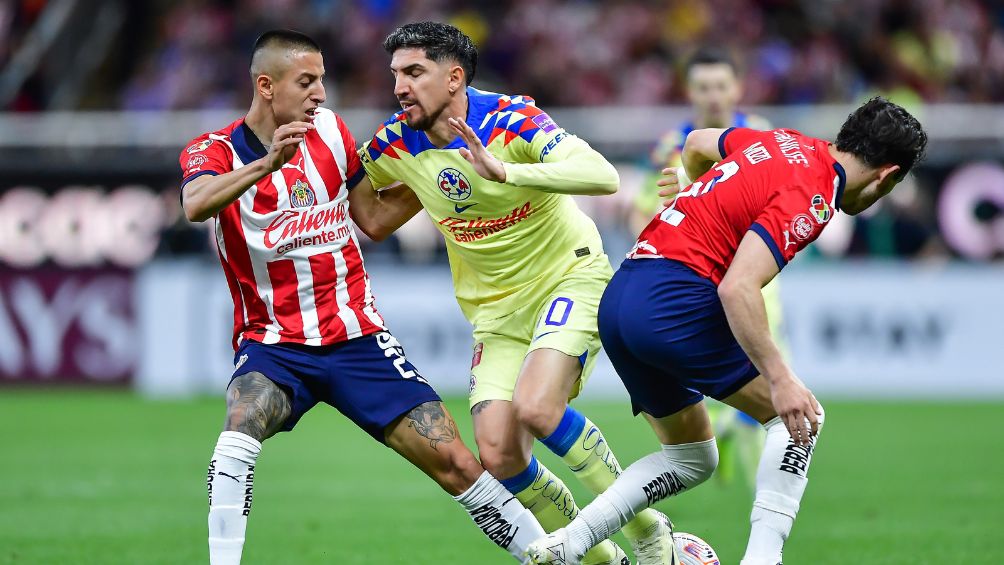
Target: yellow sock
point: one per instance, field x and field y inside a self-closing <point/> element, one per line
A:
<point x="581" y="445"/>
<point x="550" y="501"/>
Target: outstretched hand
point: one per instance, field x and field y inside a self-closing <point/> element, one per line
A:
<point x="669" y="185"/>
<point x="485" y="164"/>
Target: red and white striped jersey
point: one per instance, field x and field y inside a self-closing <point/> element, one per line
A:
<point x="287" y="245"/>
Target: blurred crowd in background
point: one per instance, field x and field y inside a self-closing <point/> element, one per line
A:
<point x="565" y="52"/>
<point x="193" y="54"/>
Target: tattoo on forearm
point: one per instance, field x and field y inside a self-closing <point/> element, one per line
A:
<point x="432" y="422"/>
<point x="479" y="407"/>
<point x="256" y="406"/>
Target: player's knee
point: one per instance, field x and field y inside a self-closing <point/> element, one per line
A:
<point x="541" y="418"/>
<point x="500" y="462"/>
<point x="256" y="406"/>
<point x="695" y="462"/>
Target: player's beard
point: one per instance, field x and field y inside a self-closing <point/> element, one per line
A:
<point x="425" y="123"/>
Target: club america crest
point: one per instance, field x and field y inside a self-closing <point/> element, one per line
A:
<point x="454" y="185"/>
<point x="301" y="195"/>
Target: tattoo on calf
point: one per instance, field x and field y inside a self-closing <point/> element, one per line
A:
<point x="479" y="407"/>
<point x="256" y="406"/>
<point x="432" y="422"/>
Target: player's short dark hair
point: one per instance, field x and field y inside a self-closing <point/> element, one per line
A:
<point x="881" y="133"/>
<point x="711" y="56"/>
<point x="440" y="42"/>
<point x="284" y="38"/>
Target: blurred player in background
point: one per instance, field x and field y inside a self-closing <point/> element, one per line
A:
<point x="684" y="316"/>
<point x="714" y="89"/>
<point x="285" y="185"/>
<point x="496" y="175"/>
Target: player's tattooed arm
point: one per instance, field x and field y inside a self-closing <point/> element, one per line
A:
<point x="432" y="422"/>
<point x="479" y="407"/>
<point x="256" y="406"/>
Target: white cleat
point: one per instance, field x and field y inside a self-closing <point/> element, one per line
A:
<point x="656" y="547"/>
<point x="552" y="549"/>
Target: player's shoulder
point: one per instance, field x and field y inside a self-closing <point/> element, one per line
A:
<point x="212" y="141"/>
<point x="393" y="139"/>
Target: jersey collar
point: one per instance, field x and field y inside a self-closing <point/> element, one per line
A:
<point x="838" y="184"/>
<point x="479" y="104"/>
<point x="246" y="144"/>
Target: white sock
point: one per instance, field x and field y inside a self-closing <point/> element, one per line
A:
<point x="500" y="516"/>
<point x="645" y="482"/>
<point x="780" y="483"/>
<point x="230" y="482"/>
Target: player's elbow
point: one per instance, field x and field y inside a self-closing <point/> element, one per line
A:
<point x="610" y="181"/>
<point x="702" y="142"/>
<point x="195" y="211"/>
<point x="372" y="229"/>
<point x="378" y="235"/>
<point x="731" y="289"/>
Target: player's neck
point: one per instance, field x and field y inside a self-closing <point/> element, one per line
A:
<point x="857" y="173"/>
<point x="441" y="133"/>
<point x="261" y="120"/>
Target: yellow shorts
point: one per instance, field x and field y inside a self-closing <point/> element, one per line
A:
<point x="564" y="320"/>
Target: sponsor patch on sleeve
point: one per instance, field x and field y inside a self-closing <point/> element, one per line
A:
<point x="201" y="146"/>
<point x="195" y="163"/>
<point x="545" y="123"/>
<point x="551" y="145"/>
<point x="801" y="226"/>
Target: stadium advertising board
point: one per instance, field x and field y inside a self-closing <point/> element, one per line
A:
<point x="67" y="326"/>
<point x="855" y="329"/>
<point x="897" y="329"/>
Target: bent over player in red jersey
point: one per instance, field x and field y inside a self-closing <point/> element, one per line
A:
<point x="286" y="188"/>
<point x="684" y="316"/>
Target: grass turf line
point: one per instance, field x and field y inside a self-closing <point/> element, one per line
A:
<point x="106" y="478"/>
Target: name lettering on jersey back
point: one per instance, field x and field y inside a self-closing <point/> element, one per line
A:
<point x="790" y="148"/>
<point x="479" y="228"/>
<point x="756" y="153"/>
<point x="300" y="228"/>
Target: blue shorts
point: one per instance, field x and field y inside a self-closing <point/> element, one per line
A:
<point x="368" y="379"/>
<point x="665" y="331"/>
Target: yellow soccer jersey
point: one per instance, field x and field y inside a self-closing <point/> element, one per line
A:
<point x="507" y="244"/>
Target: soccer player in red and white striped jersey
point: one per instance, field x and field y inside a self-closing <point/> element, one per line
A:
<point x="287" y="188"/>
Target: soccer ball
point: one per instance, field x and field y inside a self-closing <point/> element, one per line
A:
<point x="694" y="551"/>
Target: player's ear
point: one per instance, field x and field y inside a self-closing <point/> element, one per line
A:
<point x="888" y="176"/>
<point x="265" y="86"/>
<point x="457" y="78"/>
<point x="890" y="172"/>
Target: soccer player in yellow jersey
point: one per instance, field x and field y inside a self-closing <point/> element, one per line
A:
<point x="714" y="89"/>
<point x="496" y="175"/>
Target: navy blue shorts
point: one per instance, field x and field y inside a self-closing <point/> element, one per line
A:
<point x="664" y="329"/>
<point x="368" y="379"/>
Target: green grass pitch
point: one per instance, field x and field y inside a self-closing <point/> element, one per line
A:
<point x="106" y="478"/>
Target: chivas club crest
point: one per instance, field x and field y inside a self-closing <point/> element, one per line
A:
<point x="301" y="195"/>
<point x="454" y="185"/>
